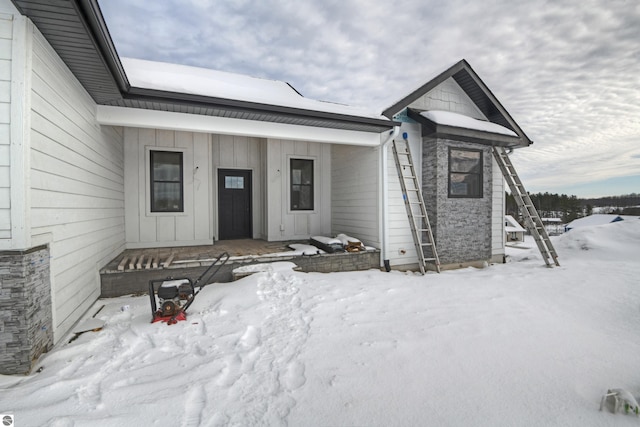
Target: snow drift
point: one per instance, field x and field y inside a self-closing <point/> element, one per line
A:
<point x="511" y="344"/>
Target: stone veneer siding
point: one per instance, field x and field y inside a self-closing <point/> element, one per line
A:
<point x="26" y="329"/>
<point x="119" y="283"/>
<point x="461" y="226"/>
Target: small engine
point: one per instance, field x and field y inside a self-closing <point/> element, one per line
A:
<point x="172" y="295"/>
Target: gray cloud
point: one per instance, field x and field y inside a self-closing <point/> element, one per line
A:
<point x="568" y="71"/>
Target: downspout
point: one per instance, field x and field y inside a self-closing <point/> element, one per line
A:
<point x="384" y="207"/>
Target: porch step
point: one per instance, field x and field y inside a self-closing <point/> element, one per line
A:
<point x="145" y="262"/>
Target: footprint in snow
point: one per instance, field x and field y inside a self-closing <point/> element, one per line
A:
<point x="231" y="372"/>
<point x="294" y="376"/>
<point x="194" y="404"/>
<point x="250" y="338"/>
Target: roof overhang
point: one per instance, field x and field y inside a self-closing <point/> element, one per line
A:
<point x="150" y="99"/>
<point x="477" y="91"/>
<point x="439" y="130"/>
<point x="153" y="119"/>
<point x="78" y="33"/>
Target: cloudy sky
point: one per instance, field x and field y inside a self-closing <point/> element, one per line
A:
<point x="568" y="71"/>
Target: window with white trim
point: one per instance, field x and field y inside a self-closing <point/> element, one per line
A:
<point x="167" y="184"/>
<point x="301" y="184"/>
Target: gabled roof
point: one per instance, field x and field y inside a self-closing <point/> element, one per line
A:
<point x="511" y="225"/>
<point x="78" y="33"/>
<point x="477" y="91"/>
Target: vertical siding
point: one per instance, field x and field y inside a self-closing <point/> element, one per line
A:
<point x="76" y="185"/>
<point x="6" y="29"/>
<point x="148" y="229"/>
<point x="497" y="216"/>
<point x="241" y="152"/>
<point x="354" y="192"/>
<point x="402" y="251"/>
<point x="283" y="224"/>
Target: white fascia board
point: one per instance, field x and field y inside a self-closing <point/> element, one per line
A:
<point x="140" y="118"/>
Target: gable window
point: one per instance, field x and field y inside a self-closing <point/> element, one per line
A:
<point x="465" y="173"/>
<point x="167" y="189"/>
<point x="301" y="184"/>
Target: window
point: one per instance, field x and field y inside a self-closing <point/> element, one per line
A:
<point x="465" y="173"/>
<point x="234" y="182"/>
<point x="167" y="191"/>
<point x="301" y="184"/>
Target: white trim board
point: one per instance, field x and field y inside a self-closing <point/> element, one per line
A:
<point x="134" y="117"/>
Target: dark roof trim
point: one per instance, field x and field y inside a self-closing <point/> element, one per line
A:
<point x="95" y="20"/>
<point x="430" y="128"/>
<point x="77" y="31"/>
<point x="475" y="88"/>
<point x="152" y="95"/>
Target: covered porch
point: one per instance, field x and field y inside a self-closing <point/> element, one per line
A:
<point x="131" y="271"/>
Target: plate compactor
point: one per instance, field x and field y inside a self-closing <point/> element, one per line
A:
<point x="171" y="297"/>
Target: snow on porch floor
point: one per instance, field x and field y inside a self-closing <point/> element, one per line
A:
<point x="177" y="257"/>
<point x="129" y="274"/>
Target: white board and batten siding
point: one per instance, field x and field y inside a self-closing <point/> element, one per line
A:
<point x="245" y="153"/>
<point x="497" y="214"/>
<point x="282" y="222"/>
<point x="401" y="247"/>
<point x="154" y="229"/>
<point x="76" y="185"/>
<point x="355" y="186"/>
<point x="6" y="41"/>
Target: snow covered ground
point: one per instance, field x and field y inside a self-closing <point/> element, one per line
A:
<point x="514" y="344"/>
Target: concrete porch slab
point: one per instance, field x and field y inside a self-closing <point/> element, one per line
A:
<point x="191" y="261"/>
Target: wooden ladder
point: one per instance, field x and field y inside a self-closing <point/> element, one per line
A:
<point x="414" y="204"/>
<point x="531" y="218"/>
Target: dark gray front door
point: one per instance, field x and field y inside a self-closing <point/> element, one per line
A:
<point x="234" y="204"/>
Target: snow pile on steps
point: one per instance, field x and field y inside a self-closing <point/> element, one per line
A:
<point x="512" y="344"/>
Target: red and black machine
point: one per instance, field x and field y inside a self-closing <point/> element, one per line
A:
<point x="171" y="297"/>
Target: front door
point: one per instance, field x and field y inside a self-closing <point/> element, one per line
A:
<point x="234" y="204"/>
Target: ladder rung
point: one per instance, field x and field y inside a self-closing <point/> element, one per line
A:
<point x="417" y="220"/>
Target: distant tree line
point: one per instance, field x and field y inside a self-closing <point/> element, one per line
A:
<point x="569" y="208"/>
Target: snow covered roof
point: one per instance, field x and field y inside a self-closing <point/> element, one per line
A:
<point x="469" y="81"/>
<point x="551" y="219"/>
<point x="184" y="79"/>
<point x="511" y="225"/>
<point x="592" y="220"/>
<point x="459" y="120"/>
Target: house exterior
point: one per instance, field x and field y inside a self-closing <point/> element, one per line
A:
<point x="514" y="232"/>
<point x="99" y="154"/>
<point x="452" y="121"/>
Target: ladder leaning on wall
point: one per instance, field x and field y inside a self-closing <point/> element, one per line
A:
<point x="531" y="218"/>
<point x="414" y="204"/>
